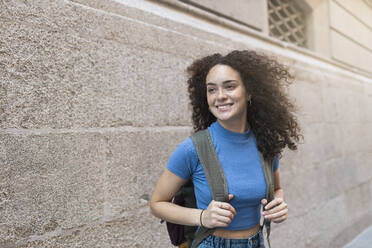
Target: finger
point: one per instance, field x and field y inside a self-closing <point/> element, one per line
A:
<point x="221" y="224"/>
<point x="278" y="208"/>
<point x="225" y="213"/>
<point x="277" y="214"/>
<point x="223" y="219"/>
<point x="273" y="203"/>
<point x="280" y="219"/>
<point x="227" y="206"/>
<point x="218" y="204"/>
<point x="264" y="202"/>
<point x="217" y="220"/>
<point x="231" y="196"/>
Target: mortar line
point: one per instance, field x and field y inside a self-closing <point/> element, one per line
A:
<point x="328" y="73"/>
<point x="143" y="23"/>
<point x="43" y="131"/>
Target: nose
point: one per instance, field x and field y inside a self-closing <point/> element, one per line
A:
<point x="221" y="95"/>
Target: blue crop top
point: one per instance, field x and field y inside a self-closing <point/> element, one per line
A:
<point x="240" y="160"/>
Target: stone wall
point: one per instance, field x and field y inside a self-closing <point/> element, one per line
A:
<point x="350" y="32"/>
<point x="93" y="101"/>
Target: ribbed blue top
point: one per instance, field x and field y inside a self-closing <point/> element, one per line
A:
<point x="240" y="161"/>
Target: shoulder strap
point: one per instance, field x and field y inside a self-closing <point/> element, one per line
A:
<point x="211" y="165"/>
<point x="214" y="174"/>
<point x="267" y="167"/>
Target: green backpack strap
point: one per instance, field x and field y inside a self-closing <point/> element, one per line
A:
<point x="267" y="167"/>
<point x="214" y="174"/>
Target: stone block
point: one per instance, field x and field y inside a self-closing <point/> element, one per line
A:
<point x="323" y="222"/>
<point x="292" y="160"/>
<point x="75" y="180"/>
<point x="359" y="9"/>
<point x="333" y="101"/>
<point x="351" y="93"/>
<point x="308" y="99"/>
<point x="365" y="103"/>
<point x="49" y="181"/>
<point x="355" y="227"/>
<point x="136" y="87"/>
<point x="93" y="69"/>
<point x="240" y="11"/>
<point x="357" y="201"/>
<point x="343" y="169"/>
<point x="290" y="231"/>
<point x="363" y="168"/>
<point x="349" y="52"/>
<point x="333" y="141"/>
<point x="342" y="98"/>
<point x="151" y="13"/>
<point x="136" y="160"/>
<point x="297" y="187"/>
<point x="313" y="148"/>
<point x="341" y="18"/>
<point x="348" y="138"/>
<point x="138" y="230"/>
<point x="310" y="75"/>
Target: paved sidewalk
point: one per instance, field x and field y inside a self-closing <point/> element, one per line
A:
<point x="363" y="240"/>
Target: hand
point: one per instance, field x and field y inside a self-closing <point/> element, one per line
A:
<point x="276" y="210"/>
<point x="218" y="214"/>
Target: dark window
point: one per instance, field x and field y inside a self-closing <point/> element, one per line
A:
<point x="287" y="21"/>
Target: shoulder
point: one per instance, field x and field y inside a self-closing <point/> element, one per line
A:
<point x="185" y="153"/>
<point x="183" y="160"/>
<point x="187" y="148"/>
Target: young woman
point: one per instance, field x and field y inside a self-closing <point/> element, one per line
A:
<point x="241" y="99"/>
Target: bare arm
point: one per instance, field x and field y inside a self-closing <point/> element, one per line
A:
<point x="217" y="214"/>
<point x="160" y="204"/>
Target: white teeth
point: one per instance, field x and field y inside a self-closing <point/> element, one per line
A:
<point x="223" y="107"/>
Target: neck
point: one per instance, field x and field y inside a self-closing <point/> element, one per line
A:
<point x="240" y="126"/>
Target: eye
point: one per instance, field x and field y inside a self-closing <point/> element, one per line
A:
<point x="230" y="87"/>
<point x="211" y="90"/>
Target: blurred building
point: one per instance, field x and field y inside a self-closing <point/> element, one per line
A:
<point x="93" y="101"/>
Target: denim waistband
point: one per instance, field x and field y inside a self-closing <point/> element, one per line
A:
<point x="256" y="241"/>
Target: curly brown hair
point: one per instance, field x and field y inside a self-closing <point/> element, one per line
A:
<point x="270" y="114"/>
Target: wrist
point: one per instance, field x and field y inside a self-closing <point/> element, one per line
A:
<point x="201" y="218"/>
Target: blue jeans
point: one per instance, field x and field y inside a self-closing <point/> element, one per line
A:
<point x="256" y="241"/>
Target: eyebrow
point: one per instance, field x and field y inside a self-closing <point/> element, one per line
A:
<point x="224" y="82"/>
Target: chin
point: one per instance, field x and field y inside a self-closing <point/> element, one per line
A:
<point x="223" y="118"/>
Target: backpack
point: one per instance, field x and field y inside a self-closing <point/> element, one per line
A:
<point x="188" y="236"/>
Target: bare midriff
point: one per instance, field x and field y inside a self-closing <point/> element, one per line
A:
<point x="238" y="234"/>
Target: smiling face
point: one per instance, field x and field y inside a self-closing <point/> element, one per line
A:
<point x="227" y="97"/>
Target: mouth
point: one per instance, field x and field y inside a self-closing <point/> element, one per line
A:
<point x="224" y="107"/>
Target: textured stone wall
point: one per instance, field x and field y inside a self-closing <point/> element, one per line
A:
<point x="93" y="101"/>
